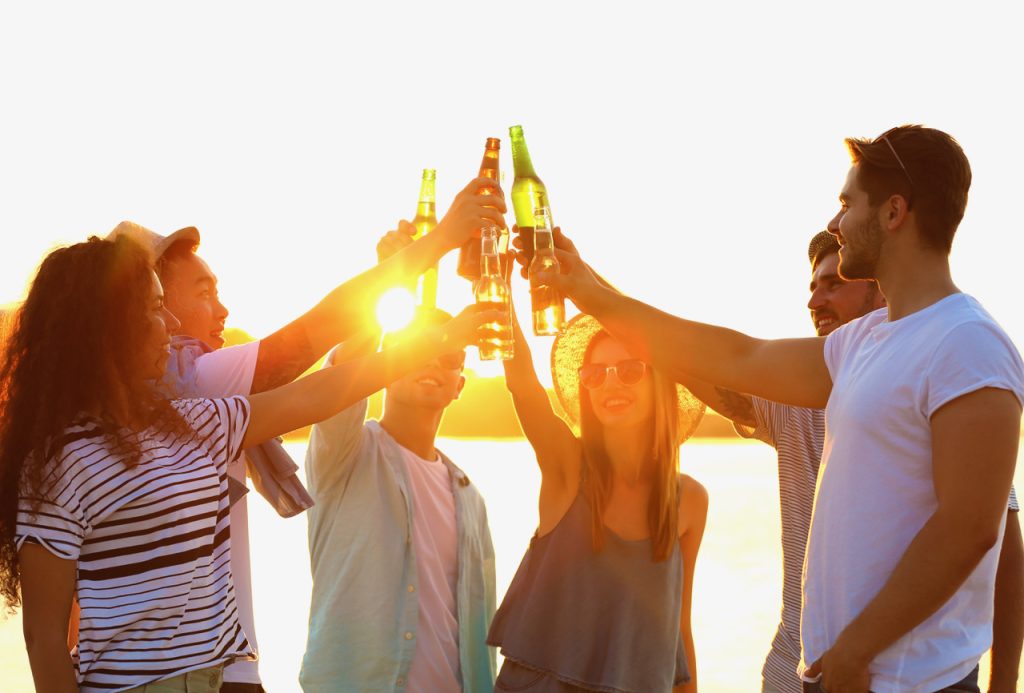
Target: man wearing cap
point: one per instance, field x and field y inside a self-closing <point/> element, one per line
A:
<point x="400" y="549"/>
<point x="923" y="423"/>
<point x="200" y="367"/>
<point x="798" y="434"/>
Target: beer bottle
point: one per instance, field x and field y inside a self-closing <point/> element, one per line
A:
<point x="491" y="289"/>
<point x="469" y="255"/>
<point x="528" y="191"/>
<point x="425" y="221"/>
<point x="548" y="305"/>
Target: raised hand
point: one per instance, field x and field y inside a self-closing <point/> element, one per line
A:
<point x="562" y="242"/>
<point x="463" y="329"/>
<point x="394" y="240"/>
<point x="471" y="210"/>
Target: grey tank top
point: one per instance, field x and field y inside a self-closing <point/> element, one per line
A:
<point x="606" y="621"/>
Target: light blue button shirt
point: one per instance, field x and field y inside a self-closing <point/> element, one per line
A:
<point x="364" y="607"/>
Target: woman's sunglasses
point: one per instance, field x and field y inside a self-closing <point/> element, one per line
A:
<point x="629" y="372"/>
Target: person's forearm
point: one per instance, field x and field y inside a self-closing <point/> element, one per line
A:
<point x="321" y="395"/>
<point x="1008" y="623"/>
<point x="934" y="566"/>
<point x="350" y="306"/>
<point x="52" y="668"/>
<point x="678" y="348"/>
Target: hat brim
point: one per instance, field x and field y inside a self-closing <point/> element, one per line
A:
<point x="189" y="233"/>
<point x="567" y="354"/>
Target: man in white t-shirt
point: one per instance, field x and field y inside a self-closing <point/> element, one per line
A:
<point x="190" y="292"/>
<point x="798" y="435"/>
<point x="923" y="407"/>
<point x="400" y="548"/>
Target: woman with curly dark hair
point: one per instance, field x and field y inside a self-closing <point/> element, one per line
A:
<point x="117" y="496"/>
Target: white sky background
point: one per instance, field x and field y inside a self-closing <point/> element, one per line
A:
<point x="690" y="151"/>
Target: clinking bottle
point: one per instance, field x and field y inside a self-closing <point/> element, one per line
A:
<point x="492" y="290"/>
<point x="528" y="191"/>
<point x="469" y="255"/>
<point x="547" y="304"/>
<point x="425" y="221"/>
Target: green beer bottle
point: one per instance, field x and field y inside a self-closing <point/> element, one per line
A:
<point x="528" y="191"/>
<point x="425" y="221"/>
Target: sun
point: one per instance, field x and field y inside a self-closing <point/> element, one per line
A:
<point x="395" y="309"/>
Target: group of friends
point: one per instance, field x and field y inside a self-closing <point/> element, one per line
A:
<point x="127" y="431"/>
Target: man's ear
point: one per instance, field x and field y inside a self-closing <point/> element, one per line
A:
<point x="895" y="210"/>
<point x="462" y="384"/>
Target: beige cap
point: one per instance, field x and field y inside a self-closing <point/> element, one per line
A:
<point x="151" y="240"/>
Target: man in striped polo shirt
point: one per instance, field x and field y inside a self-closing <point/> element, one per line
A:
<point x="798" y="434"/>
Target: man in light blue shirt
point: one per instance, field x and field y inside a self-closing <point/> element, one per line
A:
<point x="400" y="549"/>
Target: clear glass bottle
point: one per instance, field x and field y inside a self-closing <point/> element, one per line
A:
<point x="492" y="290"/>
<point x="547" y="304"/>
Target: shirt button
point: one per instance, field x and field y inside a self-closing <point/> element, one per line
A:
<point x="411" y="589"/>
<point x="400" y="682"/>
<point x="408" y="635"/>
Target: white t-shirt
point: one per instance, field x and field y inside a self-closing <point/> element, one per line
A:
<point x="876" y="490"/>
<point x="221" y="373"/>
<point x="435" y="661"/>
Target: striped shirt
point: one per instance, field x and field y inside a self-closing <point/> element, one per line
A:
<point x="798" y="435"/>
<point x="152" y="545"/>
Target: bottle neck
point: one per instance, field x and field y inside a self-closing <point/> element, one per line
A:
<point x="543" y="241"/>
<point x="425" y="206"/>
<point x="490" y="266"/>
<point x="521" y="158"/>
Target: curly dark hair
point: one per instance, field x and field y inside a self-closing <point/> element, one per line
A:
<point x="74" y="349"/>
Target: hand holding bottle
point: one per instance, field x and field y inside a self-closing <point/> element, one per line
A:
<point x="576" y="281"/>
<point x="562" y="242"/>
<point x="394" y="240"/>
<point x="470" y="211"/>
<point x="464" y="328"/>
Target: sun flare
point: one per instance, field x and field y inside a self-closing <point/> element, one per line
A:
<point x="395" y="309"/>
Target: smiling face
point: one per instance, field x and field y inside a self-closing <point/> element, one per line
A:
<point x="161" y="323"/>
<point x="614" y="403"/>
<point x="432" y="387"/>
<point x="835" y="301"/>
<point x="191" y="294"/>
<point x="859" y="231"/>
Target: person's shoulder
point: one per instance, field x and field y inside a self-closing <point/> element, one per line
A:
<point x="693" y="499"/>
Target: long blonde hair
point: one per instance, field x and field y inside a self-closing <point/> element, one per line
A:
<point x="663" y="503"/>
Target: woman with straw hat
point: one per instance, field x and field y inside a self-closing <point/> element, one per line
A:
<point x="601" y="601"/>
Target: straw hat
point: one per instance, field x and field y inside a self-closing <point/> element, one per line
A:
<point x="567" y="357"/>
<point x="151" y="240"/>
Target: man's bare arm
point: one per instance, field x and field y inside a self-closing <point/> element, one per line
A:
<point x="1008" y="625"/>
<point x="789" y="371"/>
<point x="348" y="309"/>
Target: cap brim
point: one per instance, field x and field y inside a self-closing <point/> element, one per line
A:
<point x="189" y="233"/>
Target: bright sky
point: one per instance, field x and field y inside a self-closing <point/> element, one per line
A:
<point x="691" y="151"/>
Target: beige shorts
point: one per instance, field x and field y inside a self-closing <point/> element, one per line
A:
<point x="198" y="681"/>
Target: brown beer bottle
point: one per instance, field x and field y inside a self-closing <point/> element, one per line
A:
<point x="469" y="254"/>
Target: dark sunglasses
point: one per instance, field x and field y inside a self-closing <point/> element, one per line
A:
<point x="629" y="372"/>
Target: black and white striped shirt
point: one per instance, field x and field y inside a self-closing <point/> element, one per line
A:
<point x="152" y="544"/>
